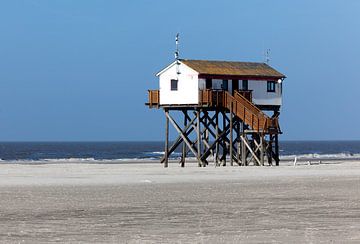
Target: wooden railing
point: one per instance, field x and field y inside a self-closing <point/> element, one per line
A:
<point x="246" y="93"/>
<point x="246" y="111"/>
<point x="154" y="98"/>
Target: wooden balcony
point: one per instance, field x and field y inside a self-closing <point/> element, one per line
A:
<point x="153" y="98"/>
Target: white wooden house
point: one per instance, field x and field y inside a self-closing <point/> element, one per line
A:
<point x="181" y="81"/>
<point x="203" y="91"/>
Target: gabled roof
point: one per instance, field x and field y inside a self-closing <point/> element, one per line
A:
<point x="230" y="68"/>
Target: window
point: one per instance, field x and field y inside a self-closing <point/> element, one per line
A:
<point x="225" y="85"/>
<point x="174" y="85"/>
<point x="235" y="85"/>
<point x="271" y="86"/>
<point x="245" y="85"/>
<point x="208" y="83"/>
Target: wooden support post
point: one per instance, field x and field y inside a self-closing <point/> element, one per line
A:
<point x="183" y="156"/>
<point x="217" y="138"/>
<point x="243" y="147"/>
<point x="270" y="150"/>
<point x="166" y="138"/>
<point x="224" y="141"/>
<point x="206" y="131"/>
<point x="198" y="137"/>
<point x="231" y="135"/>
<point x="261" y="150"/>
<point x="277" y="159"/>
<point x="238" y="142"/>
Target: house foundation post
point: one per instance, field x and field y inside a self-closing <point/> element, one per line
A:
<point x="166" y="162"/>
<point x="238" y="142"/>
<point x="270" y="149"/>
<point x="216" y="137"/>
<point x="262" y="144"/>
<point x="231" y="136"/>
<point x="277" y="159"/>
<point x="224" y="140"/>
<point x="198" y="136"/>
<point x="183" y="155"/>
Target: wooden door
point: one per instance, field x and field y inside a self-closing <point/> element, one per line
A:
<point x="235" y="86"/>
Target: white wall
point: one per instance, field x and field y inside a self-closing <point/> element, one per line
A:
<point x="188" y="86"/>
<point x="261" y="96"/>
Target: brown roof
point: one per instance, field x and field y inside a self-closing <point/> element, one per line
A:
<point x="246" y="69"/>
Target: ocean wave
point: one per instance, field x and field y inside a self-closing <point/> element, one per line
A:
<point x="174" y="156"/>
<point x="321" y="156"/>
<point x="163" y="153"/>
<point x="77" y="160"/>
<point x="157" y="153"/>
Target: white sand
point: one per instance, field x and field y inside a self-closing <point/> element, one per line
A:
<point x="150" y="172"/>
<point x="145" y="202"/>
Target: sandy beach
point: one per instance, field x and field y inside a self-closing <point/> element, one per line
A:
<point x="143" y="202"/>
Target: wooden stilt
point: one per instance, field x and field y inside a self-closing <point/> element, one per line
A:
<point x="238" y="142"/>
<point x="206" y="131"/>
<point x="224" y="141"/>
<point x="198" y="137"/>
<point x="270" y="148"/>
<point x="166" y="138"/>
<point x="217" y="138"/>
<point x="183" y="156"/>
<point x="231" y="136"/>
<point x="277" y="160"/>
<point x="262" y="150"/>
<point x="243" y="147"/>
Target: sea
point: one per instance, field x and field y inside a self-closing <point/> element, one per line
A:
<point x="119" y="152"/>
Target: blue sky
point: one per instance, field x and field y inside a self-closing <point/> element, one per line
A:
<point x="79" y="70"/>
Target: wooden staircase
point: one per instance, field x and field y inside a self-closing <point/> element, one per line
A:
<point x="245" y="110"/>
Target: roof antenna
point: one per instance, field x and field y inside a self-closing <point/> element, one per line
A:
<point x="267" y="56"/>
<point x="177" y="46"/>
<point x="177" y="54"/>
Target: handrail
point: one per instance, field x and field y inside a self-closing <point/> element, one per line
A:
<point x="249" y="104"/>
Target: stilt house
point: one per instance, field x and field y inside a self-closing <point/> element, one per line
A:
<point x="239" y="93"/>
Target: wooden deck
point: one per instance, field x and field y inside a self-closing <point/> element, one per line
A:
<point x="237" y="103"/>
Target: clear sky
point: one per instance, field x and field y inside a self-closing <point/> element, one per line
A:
<point x="80" y="70"/>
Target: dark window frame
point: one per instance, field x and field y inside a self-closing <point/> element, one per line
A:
<point x="271" y="86"/>
<point x="174" y="84"/>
